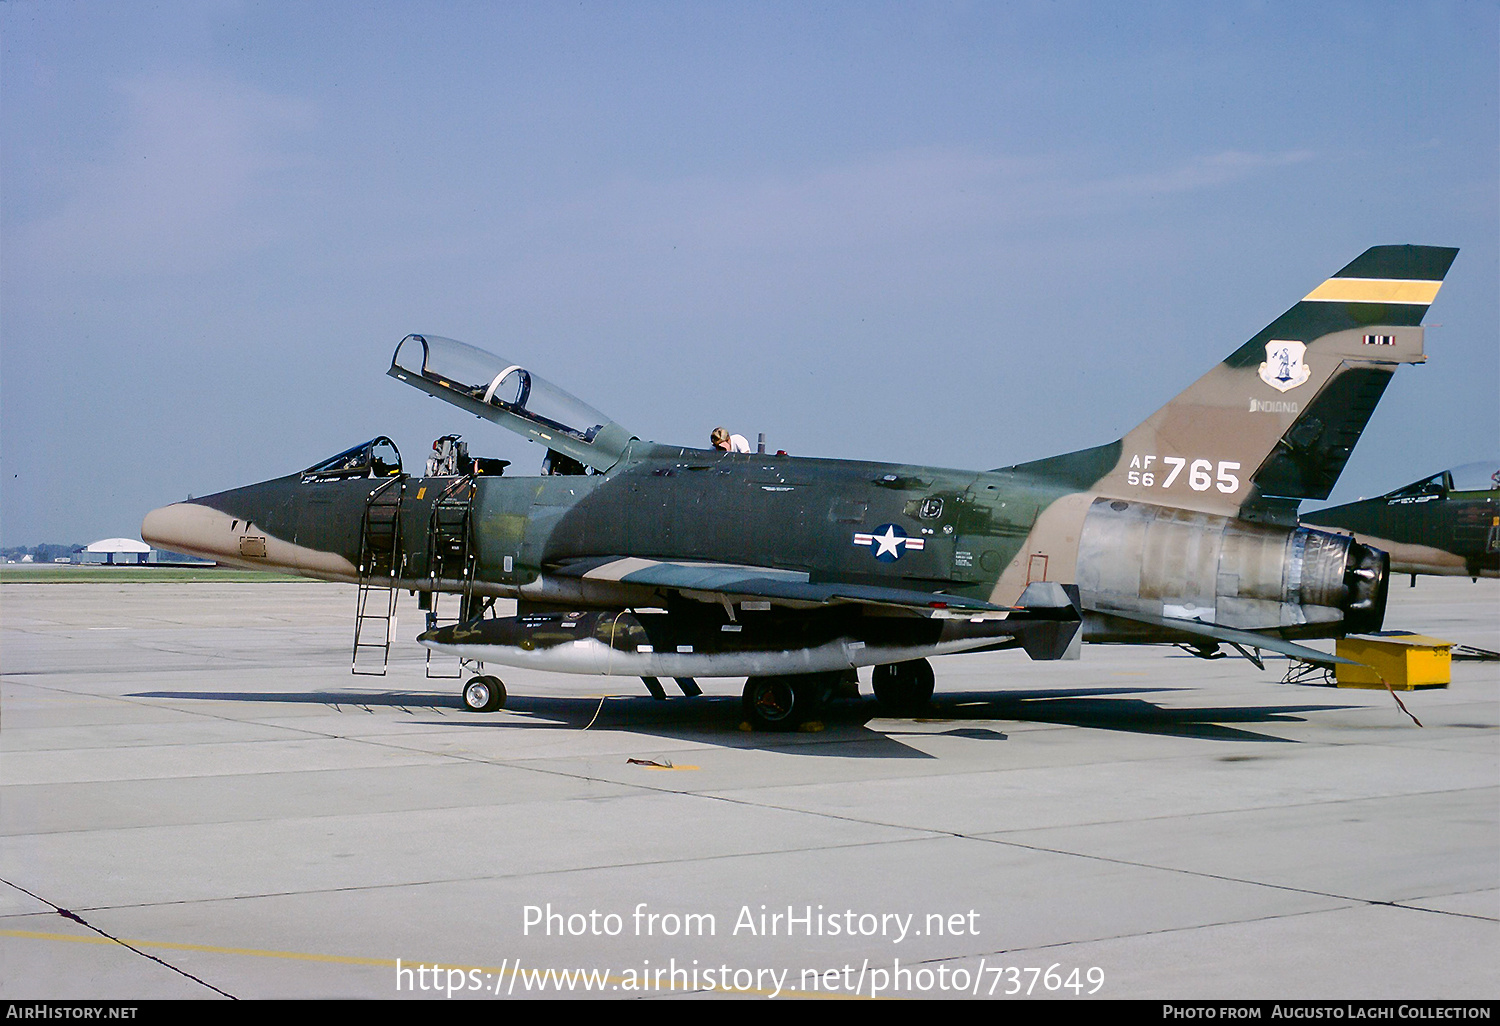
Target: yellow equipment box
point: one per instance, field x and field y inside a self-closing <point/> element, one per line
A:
<point x="1406" y="661"/>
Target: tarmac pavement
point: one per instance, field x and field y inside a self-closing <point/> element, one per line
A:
<point x="198" y="799"/>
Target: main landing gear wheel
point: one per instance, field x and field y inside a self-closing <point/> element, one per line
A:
<point x="770" y="703"/>
<point x="903" y="689"/>
<point x="484" y="694"/>
<point x="786" y="702"/>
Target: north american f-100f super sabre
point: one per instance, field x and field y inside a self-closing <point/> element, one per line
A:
<point x="1446" y="525"/>
<point x="630" y="557"/>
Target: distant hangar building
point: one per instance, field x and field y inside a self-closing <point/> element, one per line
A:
<point x="116" y="550"/>
<point x="129" y="552"/>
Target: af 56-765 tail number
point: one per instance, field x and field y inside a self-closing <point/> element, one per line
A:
<point x="1201" y="474"/>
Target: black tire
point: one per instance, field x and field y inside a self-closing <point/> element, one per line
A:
<point x="773" y="703"/>
<point x="484" y="694"/>
<point x="786" y="702"/>
<point x="903" y="689"/>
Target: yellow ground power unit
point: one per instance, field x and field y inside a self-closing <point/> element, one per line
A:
<point x="1406" y="661"/>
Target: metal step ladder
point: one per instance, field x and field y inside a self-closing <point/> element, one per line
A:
<point x="451" y="557"/>
<point x="380" y="560"/>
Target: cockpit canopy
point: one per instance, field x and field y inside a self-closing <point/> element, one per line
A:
<point x="1476" y="477"/>
<point x="1471" y="477"/>
<point x="378" y="457"/>
<point x="503" y="391"/>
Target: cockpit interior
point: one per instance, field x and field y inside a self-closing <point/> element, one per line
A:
<point x="378" y="457"/>
<point x="1471" y="477"/>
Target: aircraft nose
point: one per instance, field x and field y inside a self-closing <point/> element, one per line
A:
<point x="188" y="528"/>
<point x="254" y="527"/>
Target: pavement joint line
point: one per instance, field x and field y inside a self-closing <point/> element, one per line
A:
<point x="1161" y="931"/>
<point x="1355" y="899"/>
<point x="446" y="881"/>
<point x="107" y="938"/>
<point x="499" y="972"/>
<point x="931" y="833"/>
<point x="1124" y="862"/>
<point x="997" y="836"/>
<point x="502" y="970"/>
<point x="1146" y="865"/>
<point x="137" y="942"/>
<point x="1248" y="809"/>
<point x="474" y="758"/>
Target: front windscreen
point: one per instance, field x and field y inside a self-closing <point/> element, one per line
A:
<point x="1435" y="485"/>
<point x="376" y="458"/>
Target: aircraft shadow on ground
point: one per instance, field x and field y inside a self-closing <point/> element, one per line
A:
<point x="1123" y="709"/>
<point x="842" y="730"/>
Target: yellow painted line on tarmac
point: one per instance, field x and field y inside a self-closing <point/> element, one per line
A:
<point x="208" y="948"/>
<point x="498" y="972"/>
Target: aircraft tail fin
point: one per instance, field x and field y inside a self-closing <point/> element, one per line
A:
<point x="1275" y="422"/>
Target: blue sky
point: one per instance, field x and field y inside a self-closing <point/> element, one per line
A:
<point x="963" y="234"/>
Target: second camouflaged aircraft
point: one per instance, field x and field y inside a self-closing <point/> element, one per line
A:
<point x="1446" y="525"/>
<point x="635" y="558"/>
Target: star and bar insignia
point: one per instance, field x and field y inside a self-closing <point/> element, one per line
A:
<point x="887" y="542"/>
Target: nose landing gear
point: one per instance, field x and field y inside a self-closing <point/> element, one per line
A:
<point x="484" y="694"/>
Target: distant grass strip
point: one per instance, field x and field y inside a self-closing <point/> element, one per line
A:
<point x="23" y="573"/>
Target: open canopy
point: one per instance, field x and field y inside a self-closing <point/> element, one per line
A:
<point x="511" y="395"/>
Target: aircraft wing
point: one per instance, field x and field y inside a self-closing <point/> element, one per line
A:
<point x="713" y="581"/>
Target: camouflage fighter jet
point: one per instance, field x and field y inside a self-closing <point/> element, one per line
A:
<point x="1446" y="525"/>
<point x="637" y="558"/>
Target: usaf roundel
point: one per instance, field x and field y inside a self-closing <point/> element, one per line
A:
<point x="887" y="542"/>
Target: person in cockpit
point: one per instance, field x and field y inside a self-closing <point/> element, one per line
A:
<point x="561" y="464"/>
<point x="725" y="442"/>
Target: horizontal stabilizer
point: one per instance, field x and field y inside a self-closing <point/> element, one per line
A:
<point x="1231" y="636"/>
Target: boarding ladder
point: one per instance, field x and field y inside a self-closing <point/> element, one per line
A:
<point x="451" y="557"/>
<point x="381" y="561"/>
